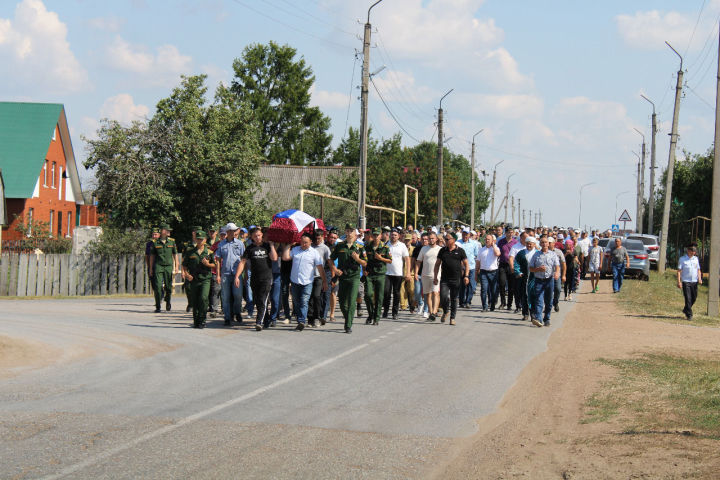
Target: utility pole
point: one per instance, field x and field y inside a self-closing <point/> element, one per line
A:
<point x="638" y="193"/>
<point x="670" y="168"/>
<point x="530" y="218"/>
<point x="651" y="193"/>
<point x="472" y="181"/>
<point x="507" y="195"/>
<point x="713" y="300"/>
<point x="639" y="220"/>
<point x="440" y="160"/>
<point x="519" y="217"/>
<point x="512" y="211"/>
<point x="362" y="193"/>
<point x="492" y="198"/>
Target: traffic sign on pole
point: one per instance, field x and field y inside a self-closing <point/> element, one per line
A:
<point x="624" y="217"/>
<point x="615" y="228"/>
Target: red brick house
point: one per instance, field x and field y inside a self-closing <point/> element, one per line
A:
<point x="39" y="170"/>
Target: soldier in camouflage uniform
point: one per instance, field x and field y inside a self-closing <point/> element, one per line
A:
<point x="378" y="256"/>
<point x="350" y="256"/>
<point x="163" y="262"/>
<point x="198" y="262"/>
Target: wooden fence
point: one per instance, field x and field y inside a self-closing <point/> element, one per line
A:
<point x="27" y="274"/>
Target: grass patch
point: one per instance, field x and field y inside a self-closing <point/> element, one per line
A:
<point x="659" y="298"/>
<point x="661" y="393"/>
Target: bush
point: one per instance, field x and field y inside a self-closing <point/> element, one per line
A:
<point x="115" y="241"/>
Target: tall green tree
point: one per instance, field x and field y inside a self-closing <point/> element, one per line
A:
<point x="277" y="88"/>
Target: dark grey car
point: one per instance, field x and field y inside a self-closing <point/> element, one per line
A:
<point x="639" y="258"/>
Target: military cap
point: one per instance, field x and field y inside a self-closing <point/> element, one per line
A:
<point x="349" y="227"/>
<point x="200" y="234"/>
<point x="165" y="226"/>
<point x="376" y="231"/>
<point x="197" y="228"/>
<point x="386" y="229"/>
<point x="212" y="228"/>
<point x="408" y="236"/>
<point x="421" y="226"/>
<point x="155" y="230"/>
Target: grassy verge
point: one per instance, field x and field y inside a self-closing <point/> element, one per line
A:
<point x="660" y="298"/>
<point x="658" y="393"/>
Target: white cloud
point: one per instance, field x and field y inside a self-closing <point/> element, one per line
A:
<point x="510" y="106"/>
<point x="594" y="125"/>
<point x="650" y="30"/>
<point x="327" y="99"/>
<point x="34" y="47"/>
<point x="107" y="24"/>
<point x="400" y="86"/>
<point x="123" y="109"/>
<point x="164" y="67"/>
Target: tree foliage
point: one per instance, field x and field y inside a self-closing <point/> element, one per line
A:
<point x="277" y="88"/>
<point x="190" y="164"/>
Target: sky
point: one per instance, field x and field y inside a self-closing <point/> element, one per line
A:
<point x="555" y="85"/>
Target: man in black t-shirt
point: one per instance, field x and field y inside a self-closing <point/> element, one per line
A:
<point x="455" y="272"/>
<point x="260" y="255"/>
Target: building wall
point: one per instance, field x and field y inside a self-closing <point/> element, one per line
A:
<point x="47" y="198"/>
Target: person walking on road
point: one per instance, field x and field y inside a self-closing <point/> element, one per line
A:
<point x="472" y="248"/>
<point x="689" y="275"/>
<point x="619" y="260"/>
<point x="305" y="262"/>
<point x="228" y="256"/>
<point x="595" y="264"/>
<point x="316" y="309"/>
<point x="525" y="277"/>
<point x="149" y="248"/>
<point x="197" y="268"/>
<point x="350" y="256"/>
<point x="395" y="273"/>
<point x="488" y="260"/>
<point x="261" y="256"/>
<point x="546" y="268"/>
<point x="425" y="271"/>
<point x="454" y="263"/>
<point x="378" y="257"/>
<point x="563" y="270"/>
<point x="163" y="263"/>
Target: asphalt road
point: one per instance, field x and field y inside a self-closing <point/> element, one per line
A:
<point x="133" y="394"/>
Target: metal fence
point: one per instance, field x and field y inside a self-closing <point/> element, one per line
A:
<point x="696" y="229"/>
<point x="28" y="274"/>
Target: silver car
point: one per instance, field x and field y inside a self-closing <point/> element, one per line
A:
<point x="639" y="258"/>
<point x="652" y="246"/>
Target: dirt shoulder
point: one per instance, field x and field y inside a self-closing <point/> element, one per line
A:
<point x="538" y="431"/>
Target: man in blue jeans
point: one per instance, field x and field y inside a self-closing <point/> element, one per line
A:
<point x="305" y="261"/>
<point x="545" y="265"/>
<point x="488" y="259"/>
<point x="472" y="248"/>
<point x="619" y="260"/>
<point x="228" y="256"/>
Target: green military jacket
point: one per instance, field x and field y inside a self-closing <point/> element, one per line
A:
<point x="375" y="266"/>
<point x="343" y="254"/>
<point x="164" y="252"/>
<point x="192" y="261"/>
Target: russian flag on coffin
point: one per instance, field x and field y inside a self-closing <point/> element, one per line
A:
<point x="289" y="225"/>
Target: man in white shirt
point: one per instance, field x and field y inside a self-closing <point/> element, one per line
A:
<point x="395" y="273"/>
<point x="688" y="276"/>
<point x="487" y="261"/>
<point x="425" y="271"/>
<point x="584" y="244"/>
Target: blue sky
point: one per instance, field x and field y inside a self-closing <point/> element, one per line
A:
<point x="555" y="85"/>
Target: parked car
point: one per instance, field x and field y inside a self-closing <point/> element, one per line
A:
<point x="639" y="258"/>
<point x="652" y="246"/>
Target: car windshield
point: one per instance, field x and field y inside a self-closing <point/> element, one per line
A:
<point x="634" y="246"/>
<point x="603" y="242"/>
<point x="645" y="240"/>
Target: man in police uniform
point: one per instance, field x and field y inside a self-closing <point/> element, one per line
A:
<point x="350" y="256"/>
<point x="198" y="262"/>
<point x="378" y="256"/>
<point x="163" y="262"/>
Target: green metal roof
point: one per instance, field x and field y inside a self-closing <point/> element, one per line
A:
<point x="26" y="130"/>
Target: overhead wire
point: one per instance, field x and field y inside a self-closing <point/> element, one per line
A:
<point x="350" y="95"/>
<point x="697" y="21"/>
<point x="314" y="17"/>
<point x="391" y="113"/>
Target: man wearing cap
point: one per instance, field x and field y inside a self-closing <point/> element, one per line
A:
<point x="214" y="239"/>
<point x="523" y="276"/>
<point x="163" y="262"/>
<point x="378" y="257"/>
<point x="472" y="248"/>
<point x="184" y="249"/>
<point x="149" y="247"/>
<point x="455" y="270"/>
<point x="546" y="268"/>
<point x="395" y="273"/>
<point x="228" y="256"/>
<point x="197" y="269"/>
<point x="350" y="256"/>
<point x="563" y="269"/>
<point x="385" y="235"/>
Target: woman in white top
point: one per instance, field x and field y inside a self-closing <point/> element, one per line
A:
<point x="595" y="264"/>
<point x="688" y="276"/>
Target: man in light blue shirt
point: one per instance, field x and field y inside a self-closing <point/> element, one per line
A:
<point x="228" y="255"/>
<point x="306" y="261"/>
<point x="545" y="265"/>
<point x="689" y="275"/>
<point x="471" y="247"/>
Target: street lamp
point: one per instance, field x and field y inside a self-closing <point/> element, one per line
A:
<point x="616" y="203"/>
<point x="472" y="181"/>
<point x="492" y="199"/>
<point x="507" y="194"/>
<point x="580" y="212"/>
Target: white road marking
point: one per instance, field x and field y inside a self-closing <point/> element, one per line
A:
<point x="391" y="333"/>
<point x="197" y="416"/>
<point x="382" y="336"/>
<point x="375" y="340"/>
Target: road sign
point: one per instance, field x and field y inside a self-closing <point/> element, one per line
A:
<point x="615" y="228"/>
<point x="624" y="217"/>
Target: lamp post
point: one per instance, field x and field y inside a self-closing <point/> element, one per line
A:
<point x="472" y="181"/>
<point x="440" y="160"/>
<point x="580" y="212"/>
<point x="507" y="194"/>
<point x="492" y="199"/>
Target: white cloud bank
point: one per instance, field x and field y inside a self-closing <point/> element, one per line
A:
<point x="162" y="68"/>
<point x="122" y="108"/>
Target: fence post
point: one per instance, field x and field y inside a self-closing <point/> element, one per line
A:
<point x="22" y="275"/>
<point x="122" y="274"/>
<point x="4" y="273"/>
<point x="41" y="269"/>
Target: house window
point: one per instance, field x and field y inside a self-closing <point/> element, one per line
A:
<point x="54" y="167"/>
<point x="45" y="174"/>
<point x="30" y="221"/>
<point x="69" y="222"/>
<point x="50" y="224"/>
<point x="59" y="231"/>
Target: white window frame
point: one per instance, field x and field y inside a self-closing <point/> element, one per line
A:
<point x="52" y="177"/>
<point x="45" y="168"/>
<point x="69" y="222"/>
<point x="52" y="215"/>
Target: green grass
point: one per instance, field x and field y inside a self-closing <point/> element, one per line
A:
<point x="659" y="298"/>
<point x="661" y="393"/>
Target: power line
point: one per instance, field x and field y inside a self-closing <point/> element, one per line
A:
<point x="390" y="111"/>
<point x="699" y="97"/>
<point x="314" y="17"/>
<point x="702" y="7"/>
<point x="350" y="95"/>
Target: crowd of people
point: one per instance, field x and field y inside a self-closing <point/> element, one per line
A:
<point x="430" y="272"/>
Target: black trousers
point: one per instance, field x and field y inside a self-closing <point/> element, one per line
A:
<point x="261" y="298"/>
<point x="506" y="280"/>
<point x="449" y="292"/>
<point x="316" y="306"/>
<point x="690" y="293"/>
<point x="522" y="293"/>
<point x="392" y="286"/>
